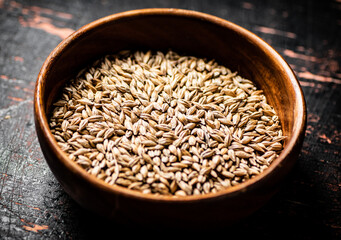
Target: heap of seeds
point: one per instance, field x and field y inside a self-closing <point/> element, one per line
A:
<point x="166" y="124"/>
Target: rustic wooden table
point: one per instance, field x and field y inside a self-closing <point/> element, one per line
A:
<point x="306" y="33"/>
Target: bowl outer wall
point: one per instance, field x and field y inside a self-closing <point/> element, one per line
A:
<point x="138" y="28"/>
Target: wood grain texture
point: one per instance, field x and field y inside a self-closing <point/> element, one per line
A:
<point x="305" y="33"/>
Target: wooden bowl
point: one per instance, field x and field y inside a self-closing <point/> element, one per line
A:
<point x="187" y="32"/>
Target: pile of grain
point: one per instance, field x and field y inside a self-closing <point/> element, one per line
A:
<point x="166" y="124"/>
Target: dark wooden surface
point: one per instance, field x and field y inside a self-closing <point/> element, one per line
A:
<point x="306" y="33"/>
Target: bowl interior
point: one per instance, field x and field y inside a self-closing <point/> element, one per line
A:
<point x="185" y="32"/>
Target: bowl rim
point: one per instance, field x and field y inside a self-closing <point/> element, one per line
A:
<point x="41" y="119"/>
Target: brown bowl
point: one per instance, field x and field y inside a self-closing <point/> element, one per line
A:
<point x="192" y="33"/>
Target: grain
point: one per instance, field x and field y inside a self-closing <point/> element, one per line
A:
<point x="167" y="124"/>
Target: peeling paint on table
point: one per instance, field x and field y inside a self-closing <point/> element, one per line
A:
<point x="306" y="33"/>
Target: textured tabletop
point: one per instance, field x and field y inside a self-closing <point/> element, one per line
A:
<point x="306" y="33"/>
